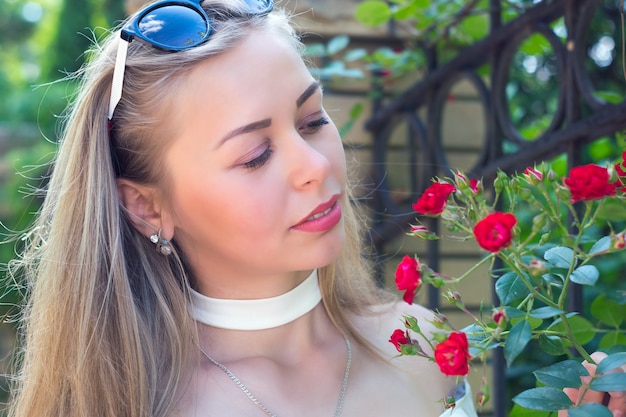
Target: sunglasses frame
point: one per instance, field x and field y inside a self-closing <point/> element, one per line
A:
<point x="131" y="31"/>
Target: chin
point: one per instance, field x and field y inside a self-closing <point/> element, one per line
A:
<point x="333" y="248"/>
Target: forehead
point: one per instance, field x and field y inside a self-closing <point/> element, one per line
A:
<point x="262" y="71"/>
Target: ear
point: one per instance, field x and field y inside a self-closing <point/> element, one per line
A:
<point x="145" y="208"/>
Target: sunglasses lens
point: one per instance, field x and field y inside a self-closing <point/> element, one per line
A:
<point x="174" y="27"/>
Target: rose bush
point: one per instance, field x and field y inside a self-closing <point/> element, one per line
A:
<point x="539" y="265"/>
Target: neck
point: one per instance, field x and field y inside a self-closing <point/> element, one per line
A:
<point x="258" y="314"/>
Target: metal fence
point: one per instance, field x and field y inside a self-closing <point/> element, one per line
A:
<point x="579" y="118"/>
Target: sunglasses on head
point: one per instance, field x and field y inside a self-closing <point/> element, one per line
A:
<point x="170" y="25"/>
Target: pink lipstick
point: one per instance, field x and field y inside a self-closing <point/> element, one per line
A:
<point x="323" y="218"/>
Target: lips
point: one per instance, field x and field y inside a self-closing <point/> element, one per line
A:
<point x="318" y="215"/>
<point x="324" y="217"/>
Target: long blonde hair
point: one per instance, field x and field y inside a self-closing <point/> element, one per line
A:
<point x="106" y="329"/>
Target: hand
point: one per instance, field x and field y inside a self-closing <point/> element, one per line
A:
<point x="615" y="401"/>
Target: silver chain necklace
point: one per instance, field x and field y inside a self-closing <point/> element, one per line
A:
<point x="245" y="390"/>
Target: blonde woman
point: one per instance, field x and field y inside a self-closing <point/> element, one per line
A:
<point x="196" y="254"/>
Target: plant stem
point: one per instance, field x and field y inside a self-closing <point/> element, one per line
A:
<point x="536" y="294"/>
<point x="572" y="338"/>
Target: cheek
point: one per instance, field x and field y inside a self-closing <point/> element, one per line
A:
<point x="334" y="152"/>
<point x="227" y="205"/>
<point x="339" y="162"/>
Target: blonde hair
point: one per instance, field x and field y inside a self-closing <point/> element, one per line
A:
<point x="106" y="329"/>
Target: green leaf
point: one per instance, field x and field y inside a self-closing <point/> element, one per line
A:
<point x="552" y="345"/>
<point x="518" y="338"/>
<point x="534" y="322"/>
<point x="535" y="45"/>
<point x="372" y="13"/>
<point x="406" y="11"/>
<point x="422" y="4"/>
<point x="559" y="256"/>
<point x="356" y="110"/>
<point x="337" y="43"/>
<point x="612" y="339"/>
<point x="607" y="311"/>
<point x="590" y="410"/>
<point x="585" y="275"/>
<point x="510" y="288"/>
<point x="355" y="54"/>
<point x="601" y="245"/>
<point x="514" y="313"/>
<point x="543" y="398"/>
<point x="554" y="280"/>
<point x="609" y="382"/>
<point x="561" y="375"/>
<point x="518" y="411"/>
<point x="611" y="362"/>
<point x="476" y="26"/>
<point x="545" y="312"/>
<point x="612" y="210"/>
<point x="610" y="96"/>
<point x="315" y="50"/>
<point x="583" y="330"/>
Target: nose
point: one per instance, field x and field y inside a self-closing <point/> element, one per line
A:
<point x="308" y="161"/>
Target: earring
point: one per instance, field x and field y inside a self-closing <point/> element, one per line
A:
<point x="162" y="245"/>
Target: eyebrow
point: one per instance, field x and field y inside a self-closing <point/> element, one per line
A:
<point x="315" y="85"/>
<point x="262" y="124"/>
<point x="250" y="127"/>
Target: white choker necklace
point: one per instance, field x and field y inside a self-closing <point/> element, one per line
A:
<point x="260" y="314"/>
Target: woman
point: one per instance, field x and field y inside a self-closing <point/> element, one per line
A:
<point x="217" y="174"/>
<point x="196" y="254"/>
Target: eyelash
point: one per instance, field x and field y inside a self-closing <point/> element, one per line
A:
<point x="315" y="125"/>
<point x="311" y="127"/>
<point x="260" y="160"/>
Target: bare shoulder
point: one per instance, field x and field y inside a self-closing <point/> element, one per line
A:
<point x="377" y="327"/>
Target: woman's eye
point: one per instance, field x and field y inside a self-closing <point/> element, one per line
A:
<point x="314" y="126"/>
<point x="260" y="160"/>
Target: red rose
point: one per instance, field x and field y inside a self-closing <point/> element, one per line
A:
<point x="452" y="355"/>
<point x="495" y="231"/>
<point x="398" y="338"/>
<point x="434" y="199"/>
<point x="408" y="277"/>
<point x="589" y="182"/>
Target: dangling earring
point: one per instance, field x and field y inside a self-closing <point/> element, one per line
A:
<point x="162" y="245"/>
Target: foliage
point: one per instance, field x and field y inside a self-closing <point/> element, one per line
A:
<point x="428" y="33"/>
<point x="33" y="96"/>
<point x="537" y="269"/>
